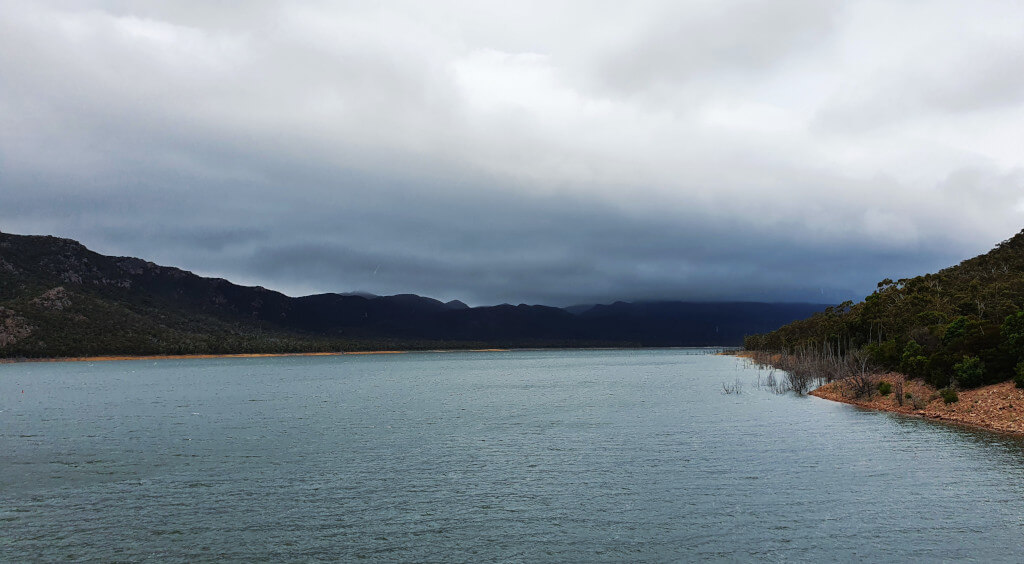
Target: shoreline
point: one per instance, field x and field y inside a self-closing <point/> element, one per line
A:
<point x="997" y="408"/>
<point x="114" y="358"/>
<point x="110" y="358"/>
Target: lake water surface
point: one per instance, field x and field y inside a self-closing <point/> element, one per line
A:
<point x="509" y="456"/>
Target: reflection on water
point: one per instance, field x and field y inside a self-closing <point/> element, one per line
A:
<point x="559" y="455"/>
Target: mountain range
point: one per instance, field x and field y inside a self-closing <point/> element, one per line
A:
<point x="59" y="299"/>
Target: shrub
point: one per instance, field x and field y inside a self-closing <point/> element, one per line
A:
<point x="949" y="395"/>
<point x="913" y="362"/>
<point x="970" y="372"/>
<point x="940" y="369"/>
<point x="956" y="329"/>
<point x="1018" y="378"/>
<point x="908" y="395"/>
<point x="884" y="388"/>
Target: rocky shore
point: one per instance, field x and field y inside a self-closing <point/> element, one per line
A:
<point x="999" y="407"/>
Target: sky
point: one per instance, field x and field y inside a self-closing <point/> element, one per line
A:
<point x="521" y="152"/>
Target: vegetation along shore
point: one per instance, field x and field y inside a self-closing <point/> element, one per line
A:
<point x="947" y="346"/>
<point x="995" y="407"/>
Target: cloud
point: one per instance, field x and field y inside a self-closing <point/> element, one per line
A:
<point x="914" y="65"/>
<point x="702" y="41"/>
<point x="705" y="150"/>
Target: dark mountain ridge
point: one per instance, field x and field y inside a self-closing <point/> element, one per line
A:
<point x="58" y="298"/>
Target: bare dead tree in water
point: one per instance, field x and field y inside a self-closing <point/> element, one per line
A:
<point x="808" y="367"/>
<point x="776" y="385"/>
<point x="735" y="388"/>
<point x="859" y="382"/>
<point x="801" y="374"/>
<point x="771" y="382"/>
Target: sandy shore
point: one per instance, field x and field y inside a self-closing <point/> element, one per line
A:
<point x="201" y="356"/>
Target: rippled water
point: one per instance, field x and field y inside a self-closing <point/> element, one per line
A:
<point x="518" y="456"/>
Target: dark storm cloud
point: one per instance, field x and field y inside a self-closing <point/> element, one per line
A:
<point x="706" y="150"/>
<point x="591" y="254"/>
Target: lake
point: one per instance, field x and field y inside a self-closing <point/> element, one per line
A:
<point x="583" y="456"/>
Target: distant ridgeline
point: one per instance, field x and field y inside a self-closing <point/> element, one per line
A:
<point x="59" y="299"/>
<point x="962" y="324"/>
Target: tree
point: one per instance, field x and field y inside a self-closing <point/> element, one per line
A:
<point x="913" y="362"/>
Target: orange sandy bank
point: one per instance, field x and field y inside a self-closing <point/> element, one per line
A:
<point x="376" y="352"/>
<point x="163" y="357"/>
<point x="198" y="356"/>
<point x="999" y="407"/>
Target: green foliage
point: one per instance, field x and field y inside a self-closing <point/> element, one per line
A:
<point x="949" y="395"/>
<point x="957" y="329"/>
<point x="931" y="317"/>
<point x="884" y="388"/>
<point x="1012" y="332"/>
<point x="939" y="371"/>
<point x="1018" y="375"/>
<point x="913" y="363"/>
<point x="886" y="353"/>
<point x="970" y="372"/>
<point x="925" y="326"/>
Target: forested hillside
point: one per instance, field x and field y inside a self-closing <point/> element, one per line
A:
<point x="961" y="325"/>
<point x="59" y="299"/>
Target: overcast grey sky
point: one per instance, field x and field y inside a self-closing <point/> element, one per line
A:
<point x="542" y="152"/>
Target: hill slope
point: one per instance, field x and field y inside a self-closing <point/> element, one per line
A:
<point x="58" y="298"/>
<point x="963" y="323"/>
